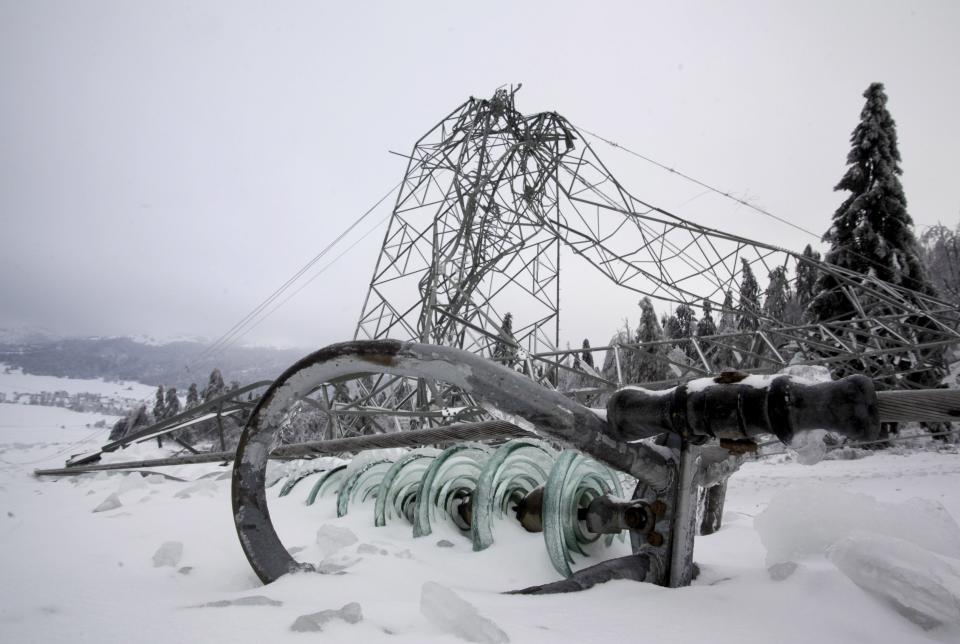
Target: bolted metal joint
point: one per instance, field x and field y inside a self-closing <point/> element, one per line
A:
<point x="608" y="515"/>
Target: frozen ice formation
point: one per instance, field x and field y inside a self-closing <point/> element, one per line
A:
<point x="112" y="502"/>
<point x="811" y="372"/>
<point x="808" y="447"/>
<point x="131" y="482"/>
<point x="350" y="613"/>
<point x="805" y="520"/>
<point x="370" y="549"/>
<point x="252" y="600"/>
<point x="204" y="487"/>
<point x="331" y="538"/>
<point x="451" y="613"/>
<point x="922" y="586"/>
<point x="782" y="570"/>
<point x="168" y="554"/>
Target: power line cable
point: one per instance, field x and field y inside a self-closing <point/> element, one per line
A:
<point x="309" y="281"/>
<point x="237" y="328"/>
<point x="726" y="194"/>
<point x="700" y="183"/>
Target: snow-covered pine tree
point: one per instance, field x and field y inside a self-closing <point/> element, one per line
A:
<point x="504" y="349"/>
<point x="779" y="305"/>
<point x="609" y="368"/>
<point x="687" y="326"/>
<point x="171" y="405"/>
<point x="686" y="320"/>
<point x="650" y="364"/>
<point x="941" y="255"/>
<point x="707" y="327"/>
<point x="723" y="357"/>
<point x="728" y="315"/>
<point x="777" y="296"/>
<point x="807" y="276"/>
<point x="159" y="405"/>
<point x="193" y="398"/>
<point x="871" y="233"/>
<point x="749" y="304"/>
<point x="587" y="355"/>
<point x="215" y="386"/>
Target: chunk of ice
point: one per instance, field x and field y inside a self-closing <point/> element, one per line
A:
<point x="251" y="600"/>
<point x="805" y="520"/>
<point x="112" y="502"/>
<point x="168" y="554"/>
<point x="453" y="614"/>
<point x="131" y="482"/>
<point x="808" y="447"/>
<point x="204" y="487"/>
<point x="332" y="538"/>
<point x="922" y="586"/>
<point x="367" y="549"/>
<point x="811" y="372"/>
<point x="782" y="570"/>
<point x="350" y="613"/>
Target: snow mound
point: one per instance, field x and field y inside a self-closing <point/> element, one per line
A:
<point x="453" y="614"/>
<point x="806" y="520"/>
<point x="922" y="586"/>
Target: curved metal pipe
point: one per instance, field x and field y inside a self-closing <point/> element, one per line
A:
<point x="516" y="396"/>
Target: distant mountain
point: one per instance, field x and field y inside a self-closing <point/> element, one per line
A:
<point x="23" y="335"/>
<point x="171" y="364"/>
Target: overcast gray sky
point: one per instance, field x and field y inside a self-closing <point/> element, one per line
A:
<point x="165" y="165"/>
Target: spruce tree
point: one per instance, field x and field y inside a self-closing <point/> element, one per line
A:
<point x="159" y="405"/>
<point x="871" y="232"/>
<point x="728" y="315"/>
<point x="193" y="398"/>
<point x="215" y="386"/>
<point x="723" y="356"/>
<point x="777" y="296"/>
<point x="587" y="355"/>
<point x="172" y="403"/>
<point x="686" y="321"/>
<point x="941" y="254"/>
<point x="706" y="326"/>
<point x="650" y="364"/>
<point x="505" y="350"/>
<point x="749" y="299"/>
<point x="672" y="329"/>
<point x="807" y="275"/>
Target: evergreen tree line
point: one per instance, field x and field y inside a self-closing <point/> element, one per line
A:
<point x="167" y="405"/>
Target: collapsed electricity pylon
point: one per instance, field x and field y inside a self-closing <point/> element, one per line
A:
<point x="490" y="197"/>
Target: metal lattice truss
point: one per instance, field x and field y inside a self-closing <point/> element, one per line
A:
<point x="489" y="199"/>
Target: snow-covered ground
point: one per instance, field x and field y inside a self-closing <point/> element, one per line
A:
<point x="70" y="574"/>
<point x="13" y="380"/>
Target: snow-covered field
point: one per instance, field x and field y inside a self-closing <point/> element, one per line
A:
<point x="70" y="574"/>
<point x="15" y="381"/>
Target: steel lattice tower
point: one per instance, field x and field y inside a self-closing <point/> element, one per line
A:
<point x="489" y="198"/>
